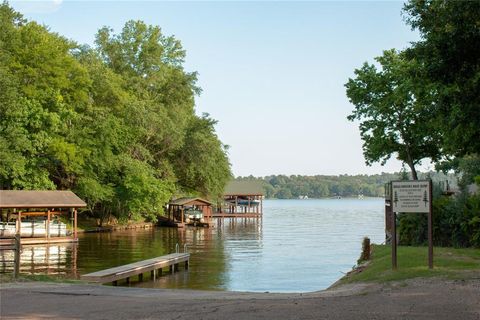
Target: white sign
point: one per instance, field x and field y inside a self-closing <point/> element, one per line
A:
<point x="411" y="196"/>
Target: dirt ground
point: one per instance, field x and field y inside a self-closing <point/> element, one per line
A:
<point x="413" y="299"/>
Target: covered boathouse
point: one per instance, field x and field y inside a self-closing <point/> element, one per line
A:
<point x="189" y="211"/>
<point x="34" y="215"/>
<point x="241" y="199"/>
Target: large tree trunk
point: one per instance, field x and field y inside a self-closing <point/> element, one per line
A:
<point x="414" y="171"/>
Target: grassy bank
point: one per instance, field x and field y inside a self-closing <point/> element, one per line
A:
<point x="412" y="263"/>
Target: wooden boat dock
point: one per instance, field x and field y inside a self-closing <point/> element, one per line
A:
<point x="236" y="215"/>
<point x="33" y="214"/>
<point x="241" y="199"/>
<point x="154" y="266"/>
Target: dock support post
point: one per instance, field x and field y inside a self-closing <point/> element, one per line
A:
<point x="16" y="270"/>
<point x="186" y="265"/>
<point x="47" y="229"/>
<point x="128" y="280"/>
<point x="114" y="283"/>
<point x="75" y="234"/>
<point x="140" y="277"/>
<point x="160" y="271"/>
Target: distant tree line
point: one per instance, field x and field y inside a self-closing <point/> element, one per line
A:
<point x="115" y="122"/>
<point x="324" y="186"/>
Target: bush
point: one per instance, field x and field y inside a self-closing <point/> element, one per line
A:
<point x="456" y="222"/>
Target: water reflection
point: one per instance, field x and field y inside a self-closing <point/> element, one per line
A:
<point x="52" y="259"/>
<point x="299" y="245"/>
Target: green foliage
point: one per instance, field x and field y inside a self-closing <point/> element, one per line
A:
<point x="466" y="167"/>
<point x="393" y="111"/>
<point x="449" y="56"/>
<point x="114" y="123"/>
<point x="424" y="102"/>
<point x="456" y="222"/>
<point x="202" y="163"/>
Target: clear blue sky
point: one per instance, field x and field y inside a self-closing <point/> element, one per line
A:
<point x="272" y="73"/>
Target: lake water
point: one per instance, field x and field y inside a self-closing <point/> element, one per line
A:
<point x="298" y="246"/>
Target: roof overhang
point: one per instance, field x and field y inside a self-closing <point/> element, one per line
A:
<point x="190" y="202"/>
<point x="21" y="199"/>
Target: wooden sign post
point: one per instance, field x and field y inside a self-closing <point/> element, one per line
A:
<point x="412" y="196"/>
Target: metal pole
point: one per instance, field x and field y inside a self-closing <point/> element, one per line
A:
<point x="430" y="228"/>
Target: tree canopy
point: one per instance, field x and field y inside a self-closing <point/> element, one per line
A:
<point x="393" y="108"/>
<point x="449" y="54"/>
<point x="424" y="101"/>
<point x="115" y="123"/>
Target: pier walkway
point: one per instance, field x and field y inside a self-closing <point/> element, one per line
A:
<point x="138" y="268"/>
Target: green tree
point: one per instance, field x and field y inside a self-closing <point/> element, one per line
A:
<point x="392" y="107"/>
<point x="43" y="88"/>
<point x="202" y="165"/>
<point x="449" y="56"/>
<point x="115" y="123"/>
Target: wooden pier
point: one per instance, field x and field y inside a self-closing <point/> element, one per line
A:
<point x="127" y="271"/>
<point x="236" y="215"/>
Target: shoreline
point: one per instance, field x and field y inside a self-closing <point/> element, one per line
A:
<point x="129" y="226"/>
